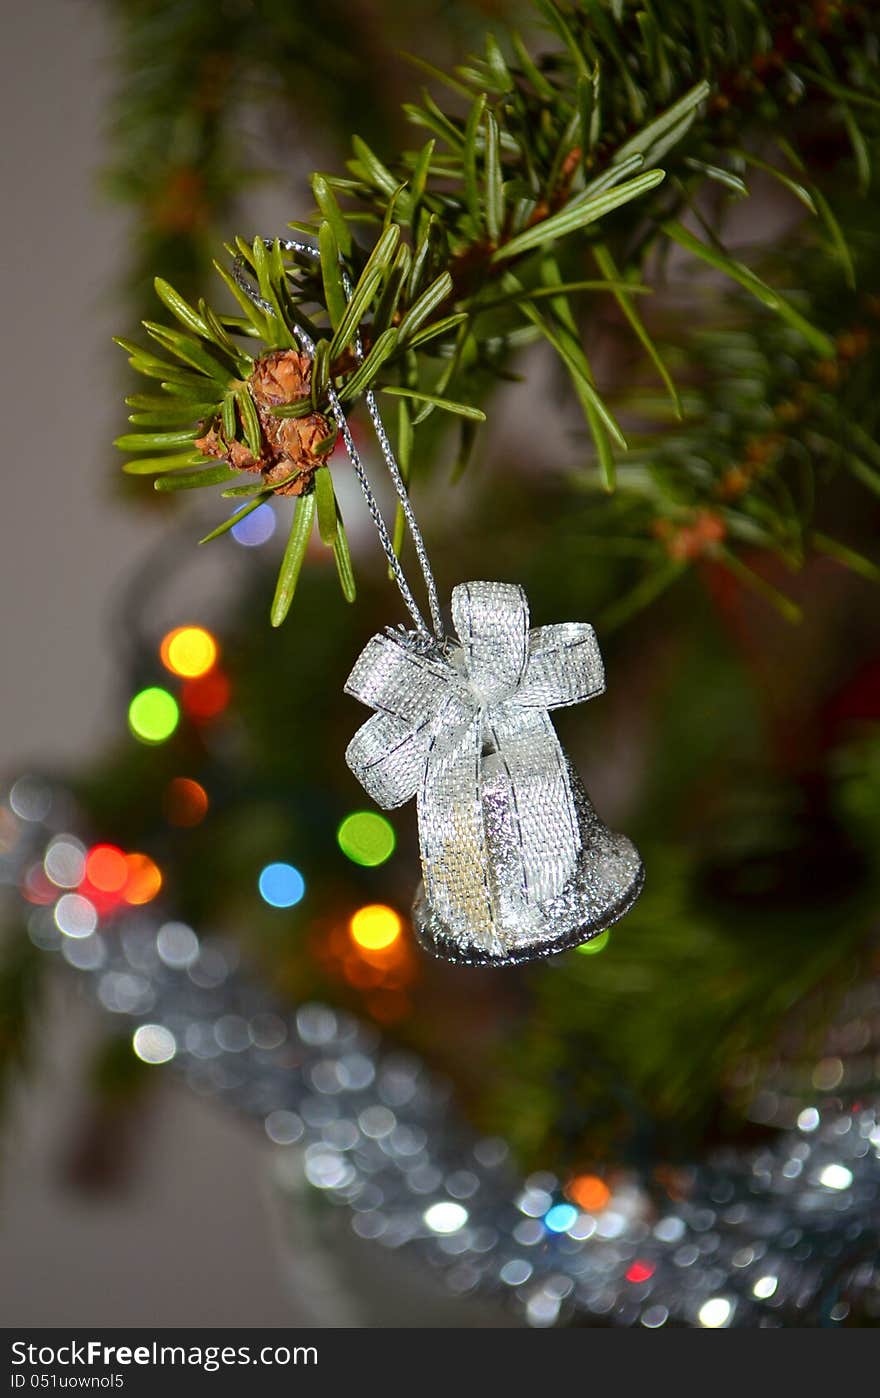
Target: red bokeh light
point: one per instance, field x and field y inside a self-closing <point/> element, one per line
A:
<point x="206" y="697"/>
<point x="185" y="802"/>
<point x="113" y="877"/>
<point x="106" y="869"/>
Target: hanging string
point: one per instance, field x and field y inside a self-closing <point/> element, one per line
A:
<point x="242" y="280"/>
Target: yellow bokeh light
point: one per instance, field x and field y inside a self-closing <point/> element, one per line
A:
<point x="188" y="651"/>
<point x="375" y="927"/>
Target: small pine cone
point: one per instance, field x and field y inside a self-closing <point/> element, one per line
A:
<point x="300" y="484"/>
<point x="734" y="483"/>
<point x="296" y="440"/>
<point x="288" y="444"/>
<point x="690" y="541"/>
<point x="235" y="453"/>
<point x="284" y="376"/>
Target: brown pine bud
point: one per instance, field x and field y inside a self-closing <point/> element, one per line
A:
<point x="853" y="343"/>
<point x="288" y="446"/>
<point x="284" y="376"/>
<point x="235" y="453"/>
<point x="735" y="482"/>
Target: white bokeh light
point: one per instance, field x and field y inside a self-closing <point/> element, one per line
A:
<point x="715" y="1313"/>
<point x="836" y="1177"/>
<point x="445" y="1217"/>
<point x="153" y="1043"/>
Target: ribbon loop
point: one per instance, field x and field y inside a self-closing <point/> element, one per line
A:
<point x="564" y="667"/>
<point x="394" y="677"/>
<point x="388" y="759"/>
<point x="492" y="621"/>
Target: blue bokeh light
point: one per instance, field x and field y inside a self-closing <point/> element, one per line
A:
<point x="281" y="885"/>
<point x="256" y="527"/>
<point x="560" y="1218"/>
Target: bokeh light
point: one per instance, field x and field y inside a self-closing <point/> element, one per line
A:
<point x="281" y="885"/>
<point x="106" y="868"/>
<point x="65" y="861"/>
<point x="153" y="1043"/>
<point x="715" y="1313"/>
<point x="256" y="528"/>
<point x="185" y="802"/>
<point x="75" y="916"/>
<point x="560" y="1218"/>
<point x="597" y="944"/>
<point x="30" y="798"/>
<point x="366" y="838"/>
<point x="188" y="651"/>
<point x="375" y="926"/>
<point x="381" y="972"/>
<point x="445" y="1217"/>
<point x="836" y="1177"/>
<point x="639" y="1271"/>
<point x="153" y="715"/>
<point x="589" y="1191"/>
<point x="388" y="1006"/>
<point x="206" y="697"/>
<point x="177" y="945"/>
<point x="36" y="887"/>
<point x="144" y="879"/>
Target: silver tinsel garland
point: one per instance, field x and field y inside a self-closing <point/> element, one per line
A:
<point x="787" y="1234"/>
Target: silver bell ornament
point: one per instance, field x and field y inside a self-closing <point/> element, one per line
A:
<point x="516" y="863"/>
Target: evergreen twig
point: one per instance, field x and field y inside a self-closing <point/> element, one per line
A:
<point x="462" y="249"/>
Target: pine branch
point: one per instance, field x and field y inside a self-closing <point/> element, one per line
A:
<point x="447" y="247"/>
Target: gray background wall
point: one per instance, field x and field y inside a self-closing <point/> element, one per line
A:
<point x="189" y="1240"/>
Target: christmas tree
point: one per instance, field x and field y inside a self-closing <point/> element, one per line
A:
<point x="615" y="292"/>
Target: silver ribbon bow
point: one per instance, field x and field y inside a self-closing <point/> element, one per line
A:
<point x="444" y="711"/>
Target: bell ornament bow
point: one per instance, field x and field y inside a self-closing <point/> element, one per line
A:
<point x="444" y="711"/>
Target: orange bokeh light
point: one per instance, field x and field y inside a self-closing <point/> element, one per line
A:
<point x="375" y="927"/>
<point x="106" y="868"/>
<point x="386" y="1006"/>
<point x="144" y="879"/>
<point x="363" y="975"/>
<point x="185" y="802"/>
<point x="589" y="1191"/>
<point x="206" y="697"/>
<point x="188" y="651"/>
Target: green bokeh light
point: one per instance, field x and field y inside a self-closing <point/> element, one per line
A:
<point x="597" y="944"/>
<point x="153" y="715"/>
<point x="366" y="838"/>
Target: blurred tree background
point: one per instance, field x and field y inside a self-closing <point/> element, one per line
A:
<point x="678" y="378"/>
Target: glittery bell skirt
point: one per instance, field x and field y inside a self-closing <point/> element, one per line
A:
<point x="606" y="881"/>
